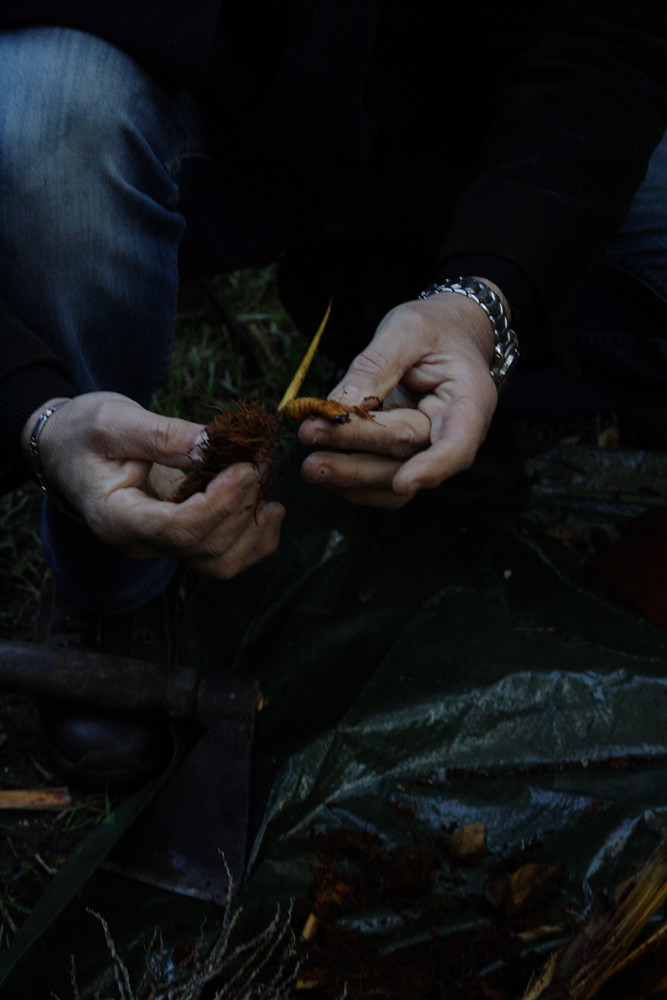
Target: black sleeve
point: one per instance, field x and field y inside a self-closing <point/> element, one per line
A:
<point x="30" y="374"/>
<point x="579" y="104"/>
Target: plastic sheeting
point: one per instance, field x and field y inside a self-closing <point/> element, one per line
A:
<point x="425" y="669"/>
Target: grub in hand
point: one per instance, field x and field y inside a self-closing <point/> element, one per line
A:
<point x="331" y="410"/>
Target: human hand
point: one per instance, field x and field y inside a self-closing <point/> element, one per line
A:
<point x="115" y="462"/>
<point x="440" y="350"/>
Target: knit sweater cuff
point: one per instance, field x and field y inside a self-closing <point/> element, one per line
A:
<point x="515" y="286"/>
<point x="21" y="393"/>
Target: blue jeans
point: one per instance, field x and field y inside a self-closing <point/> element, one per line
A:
<point x="110" y="189"/>
<point x="95" y="162"/>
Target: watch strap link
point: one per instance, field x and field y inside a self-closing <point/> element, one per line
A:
<point x="506" y="344"/>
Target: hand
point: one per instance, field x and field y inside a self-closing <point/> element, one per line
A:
<point x="113" y="462"/>
<point x="439" y="348"/>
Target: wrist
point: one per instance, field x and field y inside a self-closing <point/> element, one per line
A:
<point x="490" y="299"/>
<point x="31" y="442"/>
<point x="30" y="428"/>
<point x="496" y="291"/>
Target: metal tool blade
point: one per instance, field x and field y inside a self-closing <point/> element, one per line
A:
<point x="192" y="837"/>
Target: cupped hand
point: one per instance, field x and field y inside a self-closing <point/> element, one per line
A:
<point x="439" y="349"/>
<point x="115" y="463"/>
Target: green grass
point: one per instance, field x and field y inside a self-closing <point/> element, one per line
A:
<point x="92" y="810"/>
<point x="233" y="340"/>
<point x="21" y="561"/>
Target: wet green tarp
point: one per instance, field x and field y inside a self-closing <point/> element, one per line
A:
<point x="449" y="659"/>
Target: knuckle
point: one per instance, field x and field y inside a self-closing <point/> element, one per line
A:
<point x="101" y="421"/>
<point x="408" y="311"/>
<point x="465" y="455"/>
<point x="221" y="565"/>
<point x="164" y="435"/>
<point x="180" y="535"/>
<point x="400" y="501"/>
<point x="105" y="521"/>
<point x="231" y="567"/>
<point x="405" y="440"/>
<point x="371" y="362"/>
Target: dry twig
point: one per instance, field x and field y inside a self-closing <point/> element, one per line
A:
<point x="604" y="945"/>
<point x="265" y="966"/>
<point x="38" y="798"/>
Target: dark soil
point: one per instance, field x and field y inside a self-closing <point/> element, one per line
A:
<point x="423" y="886"/>
<point x="523" y="915"/>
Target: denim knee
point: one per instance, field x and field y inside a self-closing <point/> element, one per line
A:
<point x="74" y="111"/>
<point x="640" y="248"/>
<point x="90" y="149"/>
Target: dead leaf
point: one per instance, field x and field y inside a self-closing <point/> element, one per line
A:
<point x="468" y="844"/>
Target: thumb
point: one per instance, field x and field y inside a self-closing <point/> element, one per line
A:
<point x="140" y="434"/>
<point x="394" y="349"/>
<point x="371" y="375"/>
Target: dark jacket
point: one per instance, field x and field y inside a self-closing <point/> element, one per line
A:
<point x="544" y="117"/>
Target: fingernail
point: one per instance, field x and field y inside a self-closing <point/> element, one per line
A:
<point x="249" y="482"/>
<point x="321" y="435"/>
<point x="197" y="451"/>
<point x="349" y="395"/>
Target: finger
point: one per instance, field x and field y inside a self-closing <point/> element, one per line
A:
<point x="226" y="551"/>
<point x="362" y="479"/>
<point x="130" y="518"/>
<point x="123" y="429"/>
<point x="458" y="431"/>
<point x="261" y="539"/>
<point x="356" y="471"/>
<point x="392" y="351"/>
<point x="162" y="481"/>
<point x="373" y="374"/>
<point x="381" y="499"/>
<point x="398" y="433"/>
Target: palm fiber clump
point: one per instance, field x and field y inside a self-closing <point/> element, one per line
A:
<point x="245" y="433"/>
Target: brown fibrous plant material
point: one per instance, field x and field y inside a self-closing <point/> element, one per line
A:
<point x="246" y="432"/>
<point x="249" y="432"/>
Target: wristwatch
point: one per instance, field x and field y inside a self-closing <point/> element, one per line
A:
<point x="506" y="344"/>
